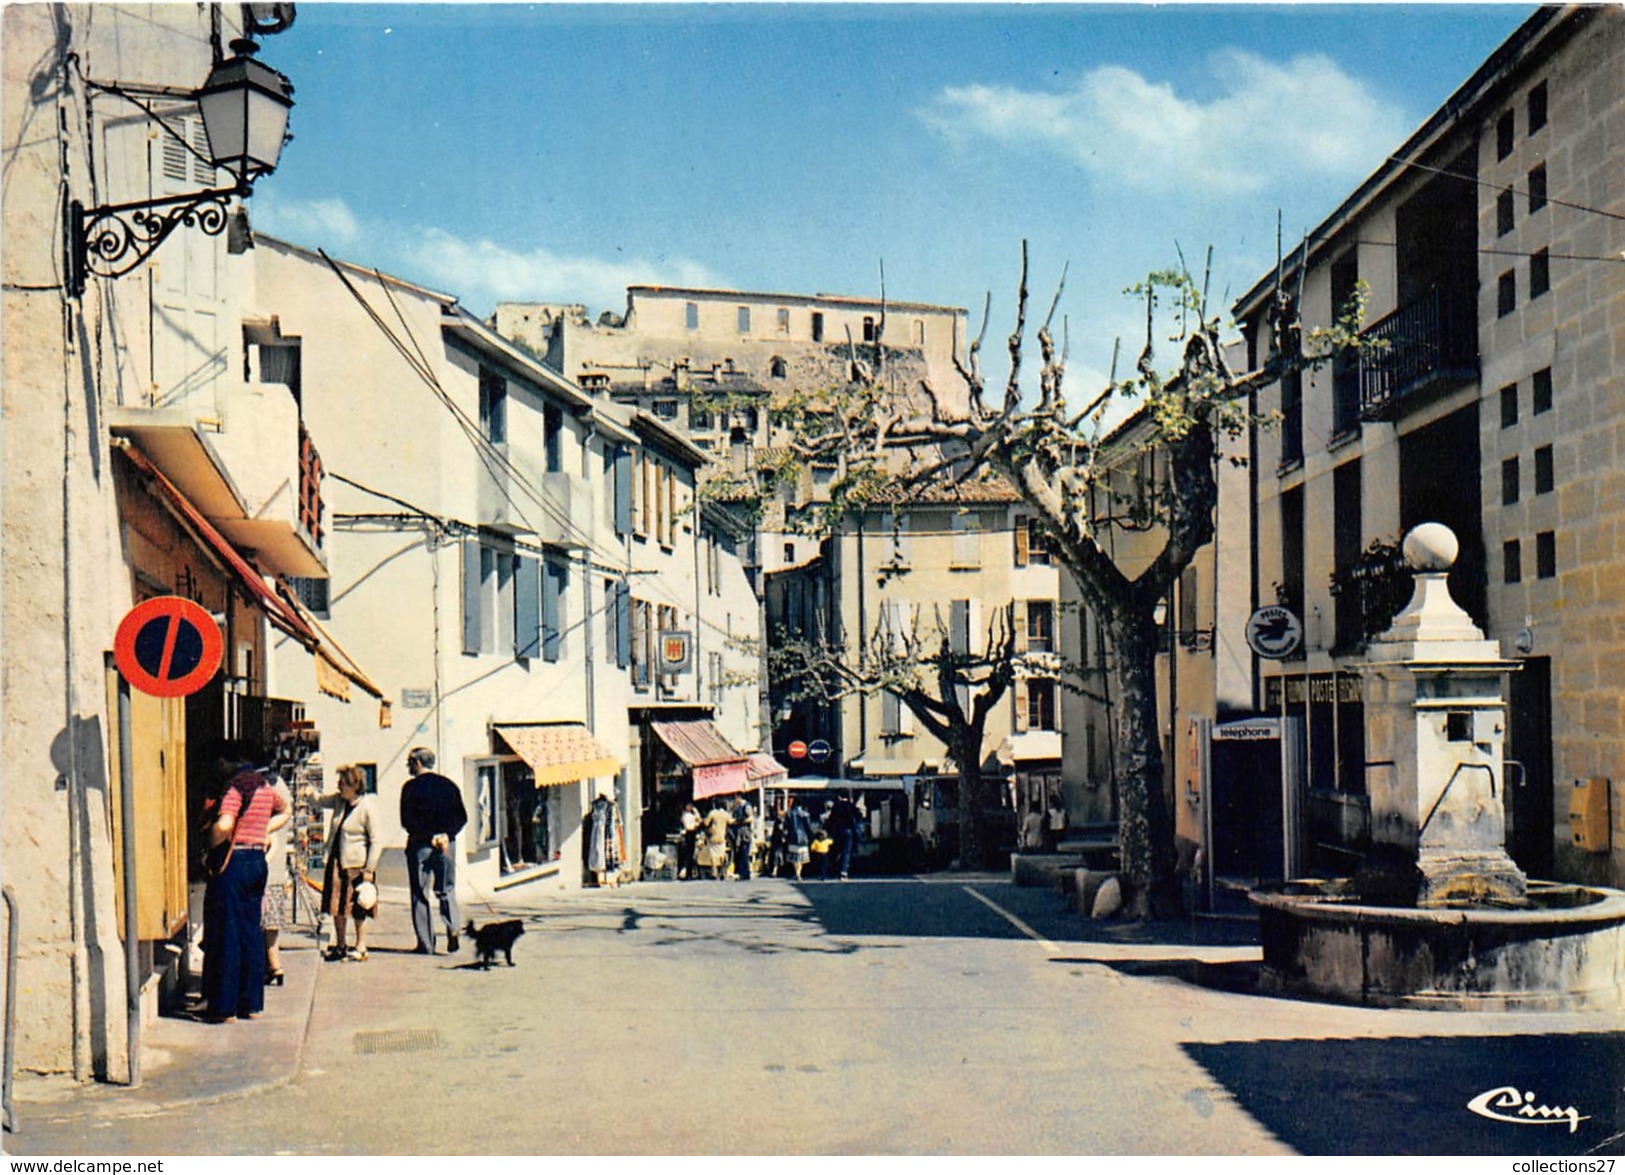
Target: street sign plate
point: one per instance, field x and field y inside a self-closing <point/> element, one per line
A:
<point x="168" y="647"/>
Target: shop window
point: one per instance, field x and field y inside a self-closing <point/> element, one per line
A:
<point x="511" y="813"/>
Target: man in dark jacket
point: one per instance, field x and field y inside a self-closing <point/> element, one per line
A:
<point x="432" y="814"/>
<point x="742" y="835"/>
<point x="842" y="824"/>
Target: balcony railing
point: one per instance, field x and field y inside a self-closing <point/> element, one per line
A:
<point x="1431" y="343"/>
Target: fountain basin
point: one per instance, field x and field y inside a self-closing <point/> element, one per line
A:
<point x="1563" y="951"/>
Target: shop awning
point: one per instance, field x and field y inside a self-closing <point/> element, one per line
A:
<point x="1030" y="747"/>
<point x="558" y="752"/>
<point x="722" y="779"/>
<point x="718" y="767"/>
<point x="765" y="771"/>
<point x="335" y="669"/>
<point x="697" y="741"/>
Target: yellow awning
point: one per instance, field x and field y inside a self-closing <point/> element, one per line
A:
<point x="559" y="752"/>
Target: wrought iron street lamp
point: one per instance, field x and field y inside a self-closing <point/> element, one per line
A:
<point x="244" y="104"/>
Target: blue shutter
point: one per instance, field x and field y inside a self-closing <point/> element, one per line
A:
<point x="623" y="490"/>
<point x="623" y="624"/>
<point x="472" y="594"/>
<point x="527" y="618"/>
<point x="552" y="591"/>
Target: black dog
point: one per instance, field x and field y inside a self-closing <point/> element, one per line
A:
<point x="494" y="937"/>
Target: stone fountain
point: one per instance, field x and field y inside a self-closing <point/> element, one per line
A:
<point x="1440" y="915"/>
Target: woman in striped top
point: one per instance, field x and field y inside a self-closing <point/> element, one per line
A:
<point x="233" y="944"/>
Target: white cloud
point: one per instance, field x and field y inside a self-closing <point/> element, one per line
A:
<point x="1268" y="120"/>
<point x="322" y="223"/>
<point x="482" y="271"/>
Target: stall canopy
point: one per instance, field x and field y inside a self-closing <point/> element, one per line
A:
<point x="718" y="767"/>
<point x="558" y="752"/>
<point x="766" y="771"/>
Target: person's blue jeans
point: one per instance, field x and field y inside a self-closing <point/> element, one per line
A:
<point x="428" y="870"/>
<point x="233" y="943"/>
<point x="846" y="842"/>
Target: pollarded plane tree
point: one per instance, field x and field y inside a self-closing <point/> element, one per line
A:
<point x="949" y="683"/>
<point x="1061" y="460"/>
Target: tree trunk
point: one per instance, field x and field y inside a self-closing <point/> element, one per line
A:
<point x="968" y="753"/>
<point x="1151" y="888"/>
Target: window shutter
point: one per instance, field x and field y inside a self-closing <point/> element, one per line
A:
<point x="552" y="586"/>
<point x="472" y="593"/>
<point x="1060" y="697"/>
<point x="623" y="491"/>
<point x="1018" y="621"/>
<point x="889" y="717"/>
<point x="527" y="631"/>
<point x="1023" y="544"/>
<point x="1018" y="691"/>
<point x="959" y="626"/>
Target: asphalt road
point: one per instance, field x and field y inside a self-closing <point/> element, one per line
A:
<point x="952" y="1015"/>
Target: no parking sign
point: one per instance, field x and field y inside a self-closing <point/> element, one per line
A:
<point x="168" y="647"/>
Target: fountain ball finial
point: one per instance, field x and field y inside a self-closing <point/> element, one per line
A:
<point x="1432" y="546"/>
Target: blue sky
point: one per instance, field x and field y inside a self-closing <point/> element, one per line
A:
<point x="560" y="153"/>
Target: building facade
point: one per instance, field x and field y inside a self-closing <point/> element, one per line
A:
<point x="141" y="460"/>
<point x="1490" y="245"/>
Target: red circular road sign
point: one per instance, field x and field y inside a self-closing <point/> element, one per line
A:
<point x="168" y="647"/>
<point x="797" y="749"/>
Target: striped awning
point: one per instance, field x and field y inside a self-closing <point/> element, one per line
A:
<point x="766" y="771"/>
<point x="697" y="742"/>
<point x="558" y="752"/>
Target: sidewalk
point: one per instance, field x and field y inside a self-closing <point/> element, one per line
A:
<point x="188" y="1062"/>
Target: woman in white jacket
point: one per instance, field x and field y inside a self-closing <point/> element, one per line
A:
<point x="354" y="845"/>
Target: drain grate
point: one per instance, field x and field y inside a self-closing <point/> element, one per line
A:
<point x="397" y="1040"/>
